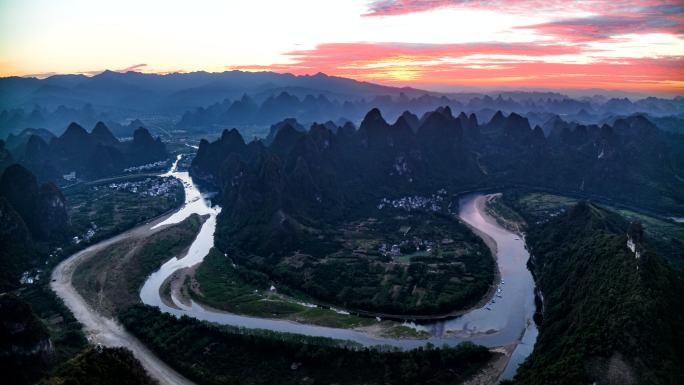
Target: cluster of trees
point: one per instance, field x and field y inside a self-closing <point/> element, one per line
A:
<point x="102" y="366"/>
<point x="212" y="354"/>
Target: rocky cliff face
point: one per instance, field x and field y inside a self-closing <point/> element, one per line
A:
<point x="29" y="214"/>
<point x="42" y="208"/>
<point x="21" y="332"/>
<point x="5" y="156"/>
<point x="25" y="346"/>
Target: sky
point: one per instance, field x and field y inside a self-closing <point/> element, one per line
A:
<point x="635" y="46"/>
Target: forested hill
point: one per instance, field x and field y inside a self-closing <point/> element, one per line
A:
<point x="612" y="306"/>
<point x="89" y="155"/>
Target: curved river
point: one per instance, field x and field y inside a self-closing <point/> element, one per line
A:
<point x="507" y="321"/>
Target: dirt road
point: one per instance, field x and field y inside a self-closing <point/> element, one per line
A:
<point x="106" y="331"/>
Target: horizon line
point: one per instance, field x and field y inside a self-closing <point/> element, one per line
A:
<point x="464" y="88"/>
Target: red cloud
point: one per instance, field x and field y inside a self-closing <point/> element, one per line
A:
<point x="327" y="55"/>
<point x="663" y="19"/>
<point x="488" y="64"/>
<point x="399" y="7"/>
<point x="610" y="17"/>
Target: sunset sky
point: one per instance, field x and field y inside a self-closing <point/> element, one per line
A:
<point x="436" y="44"/>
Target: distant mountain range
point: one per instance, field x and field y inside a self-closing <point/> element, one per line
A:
<point x="173" y="92"/>
<point x="210" y="102"/>
<point x="537" y="108"/>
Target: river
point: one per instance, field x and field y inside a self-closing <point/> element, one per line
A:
<point x="506" y="321"/>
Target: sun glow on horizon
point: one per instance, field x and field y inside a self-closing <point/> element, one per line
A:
<point x="615" y="45"/>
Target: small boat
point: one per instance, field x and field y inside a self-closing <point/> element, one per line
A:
<point x="488" y="308"/>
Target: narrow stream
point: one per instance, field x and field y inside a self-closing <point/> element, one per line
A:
<point x="506" y="321"/>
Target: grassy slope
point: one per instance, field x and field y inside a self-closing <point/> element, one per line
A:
<point x="102" y="366"/>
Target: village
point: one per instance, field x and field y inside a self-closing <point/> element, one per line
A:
<point x="152" y="187"/>
<point x="434" y="202"/>
<point x="162" y="164"/>
<point x="102" y="208"/>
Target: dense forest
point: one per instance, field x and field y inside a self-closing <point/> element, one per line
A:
<point x="611" y="303"/>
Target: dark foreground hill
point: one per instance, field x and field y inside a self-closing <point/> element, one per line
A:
<point x="611" y="311"/>
<point x="31" y="215"/>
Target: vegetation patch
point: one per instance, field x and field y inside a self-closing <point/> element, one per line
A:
<point x="226" y="286"/>
<point x="102" y="366"/>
